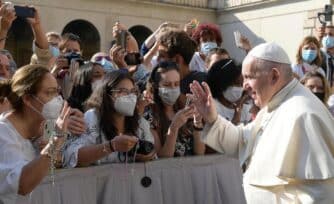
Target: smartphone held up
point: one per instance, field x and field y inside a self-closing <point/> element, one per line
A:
<point x="24" y="11"/>
<point x="21" y="11"/>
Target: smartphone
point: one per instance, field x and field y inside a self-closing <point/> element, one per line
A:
<point x="121" y="39"/>
<point x="188" y="102"/>
<point x="237" y="38"/>
<point x="24" y="12"/>
<point x="48" y="129"/>
<point x="133" y="58"/>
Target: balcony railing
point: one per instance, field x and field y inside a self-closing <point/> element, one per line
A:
<point x="237" y="3"/>
<point x="191" y="3"/>
<point x="212" y="4"/>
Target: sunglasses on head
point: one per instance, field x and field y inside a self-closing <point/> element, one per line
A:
<point x="99" y="58"/>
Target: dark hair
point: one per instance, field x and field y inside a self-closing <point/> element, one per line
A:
<point x="208" y="29"/>
<point x="158" y="107"/>
<point x="315" y="73"/>
<point x="5" y="89"/>
<point x="222" y="74"/>
<point x="82" y="87"/>
<point x="178" y="42"/>
<point x="103" y="104"/>
<point x="69" y="37"/>
<point x="218" y="51"/>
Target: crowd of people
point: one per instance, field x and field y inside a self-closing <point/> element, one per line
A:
<point x="185" y="96"/>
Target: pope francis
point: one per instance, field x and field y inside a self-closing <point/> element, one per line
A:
<point x="288" y="149"/>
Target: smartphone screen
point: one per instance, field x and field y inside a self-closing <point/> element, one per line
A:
<point x="24" y="12"/>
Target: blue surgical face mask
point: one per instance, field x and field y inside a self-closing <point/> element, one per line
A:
<point x="309" y="55"/>
<point x="207" y="46"/>
<point x="54" y="51"/>
<point x="107" y="65"/>
<point x="327" y="41"/>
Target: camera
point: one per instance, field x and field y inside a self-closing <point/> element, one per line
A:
<point x="325" y="17"/>
<point x="74" y="56"/>
<point x="143" y="147"/>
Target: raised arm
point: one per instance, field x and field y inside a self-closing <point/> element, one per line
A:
<point x="39" y="35"/>
<point x="218" y="133"/>
<point x="7" y="18"/>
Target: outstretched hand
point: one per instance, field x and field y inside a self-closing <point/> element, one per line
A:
<point x="203" y="101"/>
<point x="63" y="119"/>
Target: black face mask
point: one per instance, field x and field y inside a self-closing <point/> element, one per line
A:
<point x="320" y="96"/>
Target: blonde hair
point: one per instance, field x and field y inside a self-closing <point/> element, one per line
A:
<point x="307" y="40"/>
<point x="26" y="80"/>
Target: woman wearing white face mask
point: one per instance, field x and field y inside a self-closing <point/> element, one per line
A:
<point x="172" y="127"/>
<point x="114" y="125"/>
<point x="225" y="82"/>
<point x="308" y="57"/>
<point x="34" y="99"/>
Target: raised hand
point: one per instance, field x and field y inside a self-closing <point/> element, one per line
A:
<point x="8" y="16"/>
<point x="181" y="117"/>
<point x="63" y="119"/>
<point x="245" y="44"/>
<point x="76" y="122"/>
<point x="117" y="54"/>
<point x="36" y="20"/>
<point x="203" y="101"/>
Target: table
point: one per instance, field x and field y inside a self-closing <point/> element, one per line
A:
<point x="200" y="180"/>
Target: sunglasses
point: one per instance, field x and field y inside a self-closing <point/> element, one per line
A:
<point x="99" y="58"/>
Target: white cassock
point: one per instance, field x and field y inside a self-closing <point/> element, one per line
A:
<point x="289" y="149"/>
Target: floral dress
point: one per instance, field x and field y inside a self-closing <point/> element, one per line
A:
<point x="184" y="142"/>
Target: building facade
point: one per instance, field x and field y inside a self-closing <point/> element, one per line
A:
<point x="283" y="21"/>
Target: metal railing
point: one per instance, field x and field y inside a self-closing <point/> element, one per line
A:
<point x="237" y="3"/>
<point x="191" y="3"/>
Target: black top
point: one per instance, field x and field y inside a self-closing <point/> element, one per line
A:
<point x="194" y="75"/>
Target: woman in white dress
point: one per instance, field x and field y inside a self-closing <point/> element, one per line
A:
<point x="34" y="98"/>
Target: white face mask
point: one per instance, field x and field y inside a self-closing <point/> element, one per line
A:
<point x="96" y="84"/>
<point x="51" y="110"/>
<point x="233" y="93"/>
<point x="168" y="95"/>
<point x="126" y="105"/>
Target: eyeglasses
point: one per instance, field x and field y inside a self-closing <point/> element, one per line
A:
<point x="52" y="92"/>
<point x="124" y="91"/>
<point x="99" y="58"/>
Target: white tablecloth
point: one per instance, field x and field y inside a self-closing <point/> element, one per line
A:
<point x="199" y="180"/>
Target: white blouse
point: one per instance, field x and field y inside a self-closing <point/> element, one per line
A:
<point x="302" y="69"/>
<point x="15" y="153"/>
<point x="93" y="135"/>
